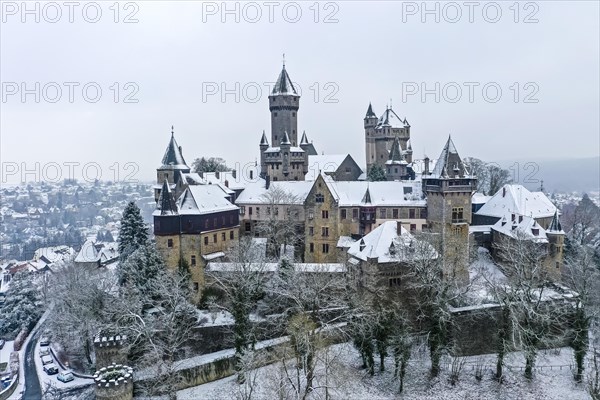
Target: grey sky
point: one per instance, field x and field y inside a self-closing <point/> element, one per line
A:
<point x="370" y="54"/>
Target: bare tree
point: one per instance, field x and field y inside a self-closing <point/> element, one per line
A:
<point x="241" y="287"/>
<point x="281" y="226"/>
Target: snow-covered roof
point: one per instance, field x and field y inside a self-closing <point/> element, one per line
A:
<point x="385" y="193"/>
<point x="173" y="159"/>
<point x="203" y="199"/>
<point x="273" y="267"/>
<point x="390" y="119"/>
<point x="513" y="198"/>
<point x="323" y="163"/>
<point x="276" y="149"/>
<point x="255" y="193"/>
<point x="88" y="253"/>
<point x="385" y="245"/>
<point x="479" y="198"/>
<point x="449" y="164"/>
<point x="522" y="226"/>
<point x="345" y="242"/>
<point x="54" y="254"/>
<point x="213" y="256"/>
<point x="284" y="85"/>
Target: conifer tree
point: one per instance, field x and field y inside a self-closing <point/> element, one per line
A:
<point x="376" y="173"/>
<point x="132" y="233"/>
<point x="22" y="305"/>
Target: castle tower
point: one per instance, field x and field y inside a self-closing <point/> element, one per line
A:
<point x="284" y="159"/>
<point x="380" y="134"/>
<point x="172" y="164"/>
<point x="395" y="166"/>
<point x="284" y="102"/>
<point x="449" y="189"/>
<point x="556" y="243"/>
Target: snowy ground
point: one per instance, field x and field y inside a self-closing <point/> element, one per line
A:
<point x="349" y="381"/>
<point x="46" y="379"/>
<point x="5" y="352"/>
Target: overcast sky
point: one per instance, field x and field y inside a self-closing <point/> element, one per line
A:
<point x="179" y="53"/>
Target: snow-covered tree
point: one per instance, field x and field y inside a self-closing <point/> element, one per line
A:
<point x="133" y="231"/>
<point x="143" y="265"/>
<point x="22" y="306"/>
<point x="376" y="173"/>
<point x="211" y="164"/>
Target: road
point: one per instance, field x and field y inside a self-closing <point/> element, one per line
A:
<point x="33" y="389"/>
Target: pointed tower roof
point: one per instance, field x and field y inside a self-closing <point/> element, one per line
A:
<point x="367" y="197"/>
<point x="391" y="119"/>
<point x="284" y="85"/>
<point x="555" y="226"/>
<point x="396" y="156"/>
<point x="263" y="139"/>
<point x="173" y="159"/>
<point x="286" y="139"/>
<point x="370" y="113"/>
<point x="166" y="202"/>
<point x="449" y="164"/>
<point x="304" y="140"/>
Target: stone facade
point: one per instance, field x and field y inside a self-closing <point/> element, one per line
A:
<point x="380" y="134"/>
<point x="322" y="225"/>
<point x="110" y="350"/>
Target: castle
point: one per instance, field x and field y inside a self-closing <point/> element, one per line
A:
<point x="333" y="208"/>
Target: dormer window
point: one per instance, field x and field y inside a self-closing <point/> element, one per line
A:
<point x="535" y="231"/>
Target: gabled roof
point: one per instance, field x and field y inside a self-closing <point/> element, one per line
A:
<point x="284" y="85"/>
<point x="526" y="227"/>
<point x="203" y="199"/>
<point x="255" y="192"/>
<point x="512" y="198"/>
<point x="382" y="194"/>
<point x="173" y="159"/>
<point x="370" y="112"/>
<point x="390" y="119"/>
<point x="383" y="244"/>
<point x="325" y="163"/>
<point x="449" y="164"/>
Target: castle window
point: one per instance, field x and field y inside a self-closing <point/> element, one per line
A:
<point x="325" y="214"/>
<point x="247" y="227"/>
<point x="355" y="213"/>
<point x="343" y="214"/>
<point x="206" y="240"/>
<point x="325" y="248"/>
<point x="249" y="210"/>
<point x="382" y="213"/>
<point x="457" y="214"/>
<point x="275" y="210"/>
<point x="215" y="238"/>
<point x="196" y="286"/>
<point x="268" y="210"/>
<point x="394" y="282"/>
<point x="423" y="213"/>
<point x="325" y="231"/>
<point x="319" y="198"/>
<point x="223" y="237"/>
<point x="231" y="235"/>
<point x="311" y="230"/>
<point x="257" y="212"/>
<point x="411" y="213"/>
<point x="557" y="264"/>
<point x="311" y="215"/>
<point x="413" y="227"/>
<point x="424" y="227"/>
<point x="169" y="243"/>
<point x="395" y="213"/>
<point x="293" y="114"/>
<point x="242" y="210"/>
<point x="275" y="114"/>
<point x="311" y="248"/>
<point x="193" y="260"/>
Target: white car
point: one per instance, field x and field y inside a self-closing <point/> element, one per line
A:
<point x="44" y="351"/>
<point x="51" y="369"/>
<point x="44" y="341"/>
<point x="65" y="376"/>
<point x="47" y="360"/>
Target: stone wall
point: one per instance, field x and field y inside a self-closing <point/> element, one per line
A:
<point x="114" y="383"/>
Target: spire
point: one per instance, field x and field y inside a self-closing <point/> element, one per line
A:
<point x="367" y="197"/>
<point x="395" y="152"/>
<point x="172" y="131"/>
<point x="370" y="113"/>
<point x="449" y="164"/>
<point x="284" y="85"/>
<point x="304" y="140"/>
<point x="286" y="139"/>
<point x="173" y="159"/>
<point x="166" y="203"/>
<point x="555" y="226"/>
<point x="263" y="140"/>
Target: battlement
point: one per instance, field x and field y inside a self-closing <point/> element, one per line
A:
<point x="108" y="341"/>
<point x="114" y="382"/>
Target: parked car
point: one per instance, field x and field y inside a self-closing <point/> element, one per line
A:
<point x="47" y="360"/>
<point x="2" y="342"/>
<point x="44" y="351"/>
<point x="65" y="376"/>
<point x="44" y="341"/>
<point x="51" y="369"/>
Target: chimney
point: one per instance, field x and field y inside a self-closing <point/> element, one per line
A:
<point x="503" y="191"/>
<point x="399" y="227"/>
<point x="520" y="218"/>
<point x="217" y="175"/>
<point x="426" y="160"/>
<point x="226" y="183"/>
<point x="267" y="181"/>
<point x="234" y="173"/>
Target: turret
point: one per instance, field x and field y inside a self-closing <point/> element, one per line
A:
<point x="370" y="118"/>
<point x="172" y="164"/>
<point x="264" y="145"/>
<point x="556" y="243"/>
<point x="284" y="103"/>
